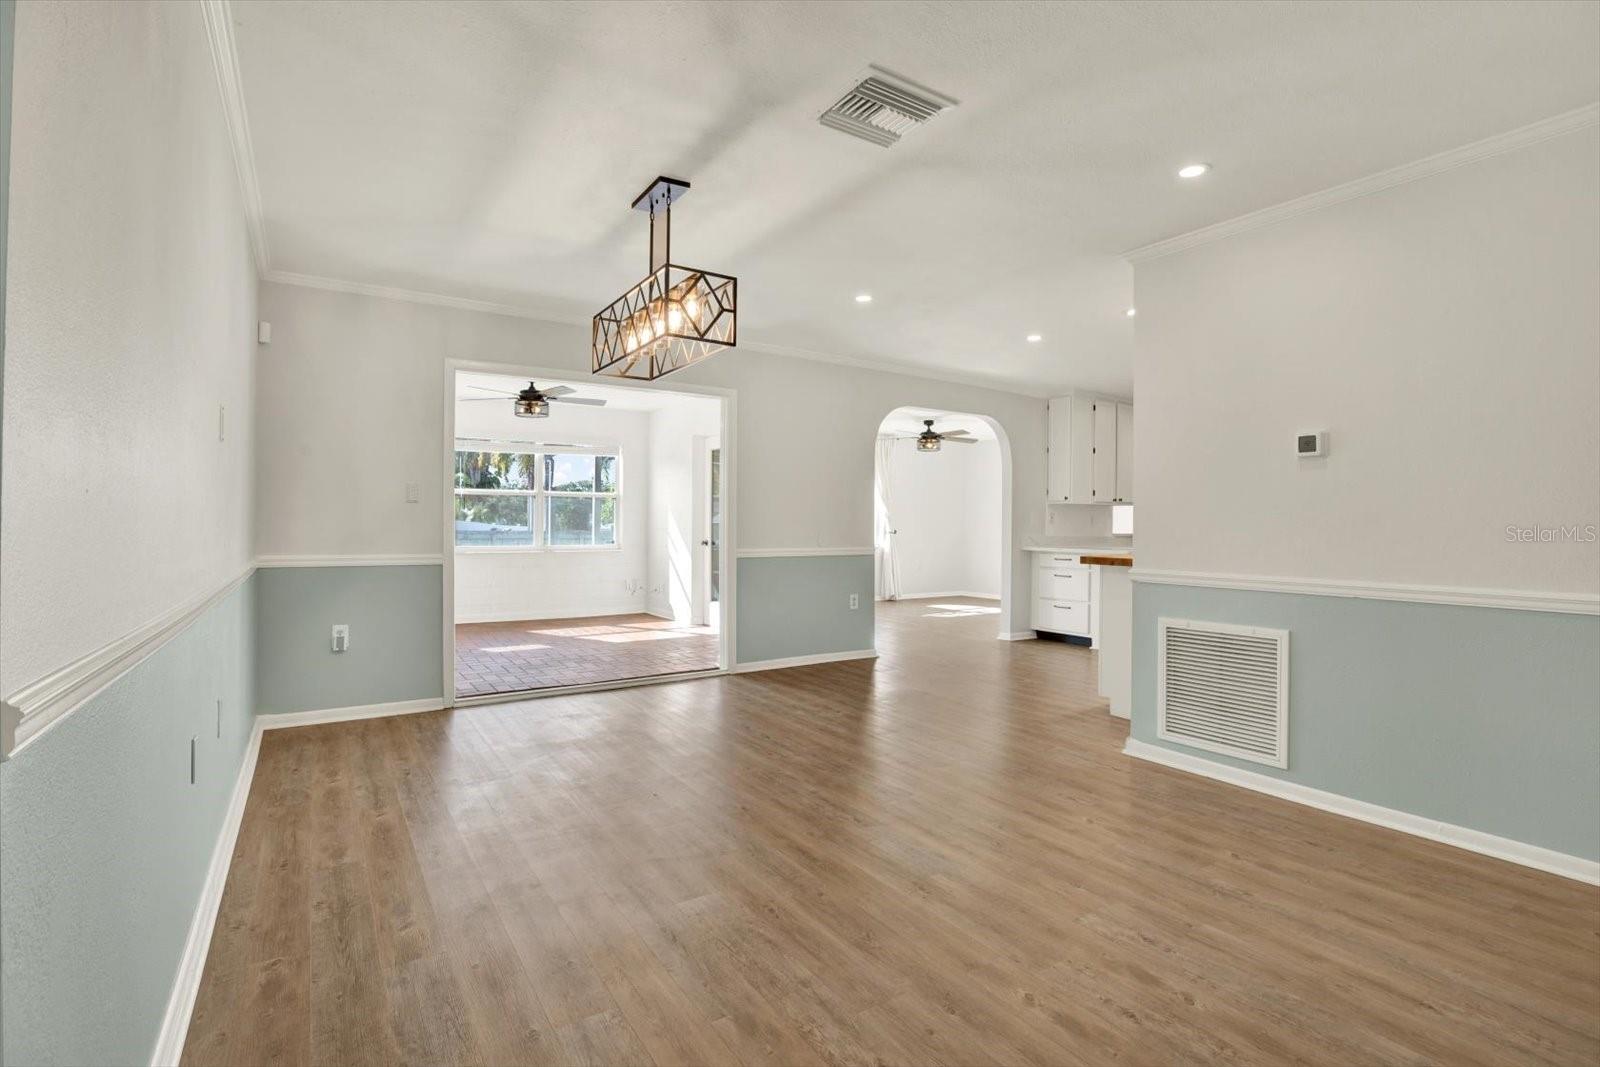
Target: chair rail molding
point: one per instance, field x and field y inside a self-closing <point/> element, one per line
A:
<point x="1514" y="599"/>
<point x="36" y="707"/>
<point x="771" y="553"/>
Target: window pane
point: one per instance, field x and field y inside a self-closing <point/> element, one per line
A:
<point x="494" y="520"/>
<point x="568" y="473"/>
<point x="606" y="532"/>
<point x="494" y="470"/>
<point x="608" y="473"/>
<point x="569" y="520"/>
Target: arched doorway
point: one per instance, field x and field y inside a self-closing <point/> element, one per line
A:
<point x="942" y="515"/>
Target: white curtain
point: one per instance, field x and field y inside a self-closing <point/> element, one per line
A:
<point x="883" y="527"/>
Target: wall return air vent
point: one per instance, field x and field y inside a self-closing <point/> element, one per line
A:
<point x="1224" y="689"/>
<point x="883" y="107"/>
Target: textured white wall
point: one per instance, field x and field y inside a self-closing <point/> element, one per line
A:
<point x="1445" y="332"/>
<point x="130" y="317"/>
<point x="540" y="584"/>
<point x="351" y="378"/>
<point x="946" y="509"/>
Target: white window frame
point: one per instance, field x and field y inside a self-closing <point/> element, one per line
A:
<point x="539" y="494"/>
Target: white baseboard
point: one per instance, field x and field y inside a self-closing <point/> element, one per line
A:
<point x="1502" y="848"/>
<point x="1020" y="635"/>
<point x="933" y="596"/>
<point x="191" y="965"/>
<point x="358" y="711"/>
<point x="804" y="661"/>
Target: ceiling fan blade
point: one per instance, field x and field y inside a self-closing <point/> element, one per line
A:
<point x="486" y="389"/>
<point x="589" y="401"/>
<point x="959" y="440"/>
<point x="557" y="390"/>
<point x="470" y="399"/>
<point x="956" y="433"/>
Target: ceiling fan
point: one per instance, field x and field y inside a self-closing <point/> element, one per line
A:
<point x="929" y="440"/>
<point x="533" y="402"/>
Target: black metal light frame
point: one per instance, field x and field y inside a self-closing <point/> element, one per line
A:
<point x="676" y="316"/>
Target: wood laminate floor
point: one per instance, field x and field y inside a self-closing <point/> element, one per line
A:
<point x="937" y="857"/>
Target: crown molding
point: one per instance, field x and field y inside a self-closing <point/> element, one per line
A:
<point x="416" y="296"/>
<point x="1557" y="125"/>
<point x="218" y="15"/>
<point x="910" y="370"/>
<point x="413" y="296"/>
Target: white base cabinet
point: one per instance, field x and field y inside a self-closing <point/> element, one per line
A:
<point x="1065" y="595"/>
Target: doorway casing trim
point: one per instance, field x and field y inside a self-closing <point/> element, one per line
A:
<point x="728" y="646"/>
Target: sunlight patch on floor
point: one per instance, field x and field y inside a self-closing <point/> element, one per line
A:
<point x="958" y="611"/>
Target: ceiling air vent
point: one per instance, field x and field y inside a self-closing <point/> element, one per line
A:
<point x="1224" y="689"/>
<point x="884" y="107"/>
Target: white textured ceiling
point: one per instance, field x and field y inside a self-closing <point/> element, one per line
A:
<point x="490" y="150"/>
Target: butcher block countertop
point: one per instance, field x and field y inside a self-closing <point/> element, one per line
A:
<point x="1106" y="559"/>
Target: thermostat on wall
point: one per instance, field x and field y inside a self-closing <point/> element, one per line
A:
<point x="1307" y="445"/>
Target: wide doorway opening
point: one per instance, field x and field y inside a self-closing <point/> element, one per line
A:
<point x="940" y="536"/>
<point x="587" y="532"/>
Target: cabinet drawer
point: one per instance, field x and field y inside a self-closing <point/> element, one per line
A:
<point x="1058" y="581"/>
<point x="1061" y="616"/>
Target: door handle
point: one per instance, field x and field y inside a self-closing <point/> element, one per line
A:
<point x="706" y="543"/>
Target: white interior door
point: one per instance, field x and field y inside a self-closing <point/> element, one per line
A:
<point x="708" y="553"/>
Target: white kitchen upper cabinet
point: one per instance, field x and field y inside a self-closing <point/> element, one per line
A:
<point x="1124" y="493"/>
<point x="1104" y="488"/>
<point x="1058" y="472"/>
<point x="1091" y="450"/>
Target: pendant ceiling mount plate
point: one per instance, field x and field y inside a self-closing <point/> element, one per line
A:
<point x="673" y="318"/>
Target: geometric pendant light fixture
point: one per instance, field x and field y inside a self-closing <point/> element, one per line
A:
<point x="672" y="319"/>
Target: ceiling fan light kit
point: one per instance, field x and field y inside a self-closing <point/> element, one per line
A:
<point x="534" y="403"/>
<point x="676" y="316"/>
<point x="930" y="440"/>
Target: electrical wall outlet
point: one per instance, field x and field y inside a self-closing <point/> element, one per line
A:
<point x="413" y="492"/>
<point x="855" y="601"/>
<point x="341" y="637"/>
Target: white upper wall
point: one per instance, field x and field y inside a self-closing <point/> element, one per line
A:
<point x="359" y="381"/>
<point x="1445" y="332"/>
<point x="130" y="293"/>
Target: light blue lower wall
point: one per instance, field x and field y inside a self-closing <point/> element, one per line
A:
<point x="1485" y="718"/>
<point x="800" y="606"/>
<point x="104" y="845"/>
<point x="396" y="619"/>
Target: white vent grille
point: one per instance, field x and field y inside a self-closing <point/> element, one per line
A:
<point x="882" y="108"/>
<point x="1224" y="689"/>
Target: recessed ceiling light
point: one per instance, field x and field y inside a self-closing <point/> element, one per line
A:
<point x="863" y="298"/>
<point x="1035" y="338"/>
<point x="1132" y="312"/>
<point x="1193" y="170"/>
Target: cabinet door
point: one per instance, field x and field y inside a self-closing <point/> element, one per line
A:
<point x="1124" y="453"/>
<point x="1058" y="471"/>
<point x="1080" y="450"/>
<point x="1103" y="487"/>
